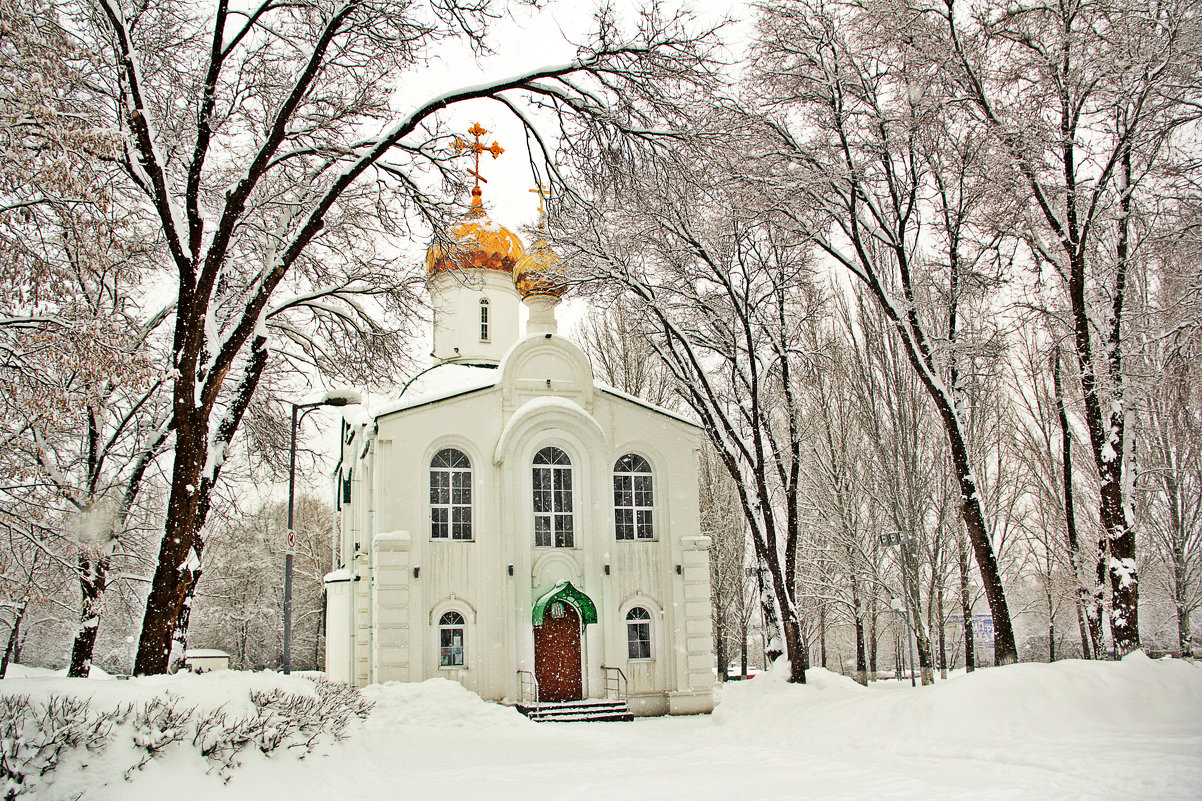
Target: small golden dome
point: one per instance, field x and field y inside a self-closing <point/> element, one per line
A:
<point x="478" y="243"/>
<point x="540" y="272"/>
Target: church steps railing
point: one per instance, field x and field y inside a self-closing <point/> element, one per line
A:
<point x="616" y="686"/>
<point x="528" y="681"/>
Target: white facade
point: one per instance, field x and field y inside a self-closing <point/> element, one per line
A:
<point x="413" y="600"/>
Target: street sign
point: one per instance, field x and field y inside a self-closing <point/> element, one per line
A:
<point x="892" y="538"/>
<point x="291" y="540"/>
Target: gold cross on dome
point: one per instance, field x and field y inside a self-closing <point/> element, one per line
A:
<point x="543" y="194"/>
<point x="476" y="147"/>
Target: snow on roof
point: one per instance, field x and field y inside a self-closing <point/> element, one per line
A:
<point x="438" y="383"/>
<point x="606" y="388"/>
<point x="205" y="653"/>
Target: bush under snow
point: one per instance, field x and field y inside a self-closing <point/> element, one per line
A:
<point x="50" y="726"/>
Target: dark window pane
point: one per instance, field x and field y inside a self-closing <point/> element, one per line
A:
<point x="542" y="530"/>
<point x="644" y="524"/>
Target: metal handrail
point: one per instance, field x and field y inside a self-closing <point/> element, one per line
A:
<point x="616" y="686"/>
<point x="527" y="679"/>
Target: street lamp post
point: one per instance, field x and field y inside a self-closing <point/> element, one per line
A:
<point x="898" y="538"/>
<point x="343" y="397"/>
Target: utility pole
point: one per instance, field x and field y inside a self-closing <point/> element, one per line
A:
<point x="897" y="538"/>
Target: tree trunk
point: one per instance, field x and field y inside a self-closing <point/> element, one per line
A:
<point x="858" y="616"/>
<point x="719" y="639"/>
<point x="1086" y="652"/>
<point x="93" y="577"/>
<point x="872" y="644"/>
<point x="14" y="635"/>
<point x="970" y="651"/>
<point x="1051" y="622"/>
<point x="822" y="634"/>
<point x="1090" y="601"/>
<point x="179" y="552"/>
<point x="942" y="635"/>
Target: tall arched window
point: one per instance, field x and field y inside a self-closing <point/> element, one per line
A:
<point x="450" y="496"/>
<point x="553" y="498"/>
<point x="484" y="319"/>
<point x="450" y="640"/>
<point x="638" y="633"/>
<point x="633" y="500"/>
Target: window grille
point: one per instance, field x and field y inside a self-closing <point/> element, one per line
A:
<point x="553" y="499"/>
<point x="638" y="633"/>
<point x="450" y="496"/>
<point x="633" y="499"/>
<point x="450" y="640"/>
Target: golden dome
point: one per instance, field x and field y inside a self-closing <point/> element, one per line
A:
<point x="478" y="243"/>
<point x="540" y="272"/>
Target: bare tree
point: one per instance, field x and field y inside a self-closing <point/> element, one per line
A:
<point x="1084" y="100"/>
<point x="1171" y="478"/>
<point x="81" y="381"/>
<point x="857" y="177"/>
<point x="618" y="346"/>
<point x="269" y="190"/>
<point x="728" y="294"/>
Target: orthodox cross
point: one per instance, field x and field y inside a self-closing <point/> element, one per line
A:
<point x="543" y="194"/>
<point x="476" y="148"/>
<point x="541" y="191"/>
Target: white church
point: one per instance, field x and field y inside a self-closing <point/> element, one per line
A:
<point x="512" y="524"/>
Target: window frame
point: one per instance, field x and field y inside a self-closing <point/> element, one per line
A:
<point x="448" y="625"/>
<point x="638" y="635"/>
<point x="455" y="514"/>
<point x="485" y="320"/>
<point x="551" y="484"/>
<point x="639" y="518"/>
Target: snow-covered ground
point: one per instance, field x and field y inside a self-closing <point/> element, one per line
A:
<point x="1070" y="730"/>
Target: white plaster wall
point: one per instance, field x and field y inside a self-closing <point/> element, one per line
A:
<point x="455" y="297"/>
<point x="500" y="429"/>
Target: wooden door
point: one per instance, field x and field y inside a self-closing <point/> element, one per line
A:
<point x="557" y="654"/>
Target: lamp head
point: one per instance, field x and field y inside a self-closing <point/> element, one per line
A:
<point x="341" y="397"/>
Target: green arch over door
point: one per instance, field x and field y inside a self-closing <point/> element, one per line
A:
<point x="564" y="591"/>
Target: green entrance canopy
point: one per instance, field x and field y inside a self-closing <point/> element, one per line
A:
<point x="564" y="591"/>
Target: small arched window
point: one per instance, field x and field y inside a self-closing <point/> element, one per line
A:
<point x="484" y="319"/>
<point x="553" y="499"/>
<point x="450" y="640"/>
<point x="633" y="500"/>
<point x="638" y="633"/>
<point x="450" y="496"/>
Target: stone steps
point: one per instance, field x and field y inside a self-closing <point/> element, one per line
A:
<point x="589" y="710"/>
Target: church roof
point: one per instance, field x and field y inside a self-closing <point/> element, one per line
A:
<point x="635" y="399"/>
<point x="442" y="381"/>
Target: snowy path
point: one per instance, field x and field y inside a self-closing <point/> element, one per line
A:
<point x="1051" y="739"/>
<point x="692" y="758"/>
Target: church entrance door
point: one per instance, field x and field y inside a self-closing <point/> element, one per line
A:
<point x="557" y="654"/>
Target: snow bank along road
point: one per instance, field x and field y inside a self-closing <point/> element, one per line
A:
<point x="1070" y="730"/>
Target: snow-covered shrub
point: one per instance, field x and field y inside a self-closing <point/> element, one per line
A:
<point x="299" y="721"/>
<point x="157" y="724"/>
<point x="37" y="735"/>
<point x="34" y="738"/>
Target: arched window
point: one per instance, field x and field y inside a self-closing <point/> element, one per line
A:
<point x="553" y="499"/>
<point x="484" y="319"/>
<point x="450" y="496"/>
<point x="638" y="633"/>
<point x="450" y="640"/>
<point x="633" y="501"/>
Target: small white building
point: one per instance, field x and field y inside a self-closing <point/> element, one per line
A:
<point x="509" y="521"/>
<point x="204" y="660"/>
